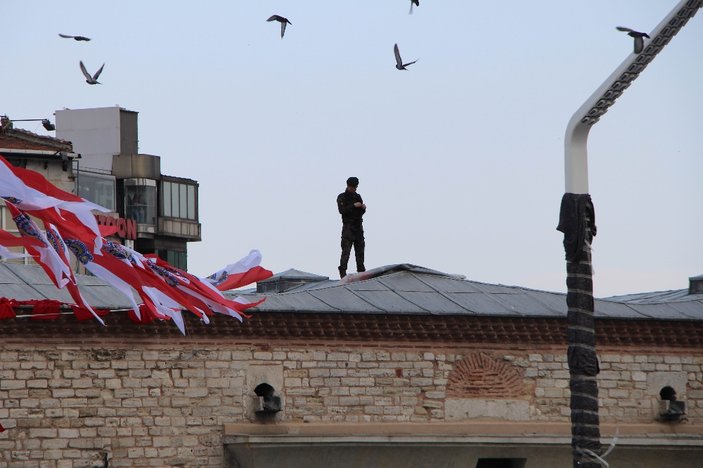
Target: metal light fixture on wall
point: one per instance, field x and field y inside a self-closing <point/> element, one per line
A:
<point x="267" y="404"/>
<point x="46" y="123"/>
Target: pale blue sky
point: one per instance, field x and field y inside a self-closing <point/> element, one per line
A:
<point x="460" y="158"/>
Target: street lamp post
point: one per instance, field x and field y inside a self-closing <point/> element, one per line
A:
<point x="577" y="222"/>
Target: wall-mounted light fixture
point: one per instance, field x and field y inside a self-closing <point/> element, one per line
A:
<point x="267" y="404"/>
<point x="46" y="123"/>
<point x="671" y="409"/>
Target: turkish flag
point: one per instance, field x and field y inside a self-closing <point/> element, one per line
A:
<point x="240" y="273"/>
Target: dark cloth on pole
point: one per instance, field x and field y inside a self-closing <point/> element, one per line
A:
<point x="577" y="222"/>
<point x="576" y="214"/>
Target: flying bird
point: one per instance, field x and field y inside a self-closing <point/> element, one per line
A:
<point x="413" y="2"/>
<point x="284" y="22"/>
<point x="77" y="38"/>
<point x="639" y="41"/>
<point x="399" y="61"/>
<point x="91" y="79"/>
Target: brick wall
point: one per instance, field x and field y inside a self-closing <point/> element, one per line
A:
<point x="165" y="404"/>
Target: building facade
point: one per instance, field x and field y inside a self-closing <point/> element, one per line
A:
<point x="112" y="173"/>
<point x="52" y="157"/>
<point x="403" y="366"/>
<point x="96" y="156"/>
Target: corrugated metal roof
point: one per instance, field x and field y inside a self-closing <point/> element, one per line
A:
<point x="30" y="282"/>
<point x="657" y="297"/>
<point x="396" y="289"/>
<point x="408" y="289"/>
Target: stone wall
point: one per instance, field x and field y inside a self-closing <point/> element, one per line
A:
<point x="141" y="404"/>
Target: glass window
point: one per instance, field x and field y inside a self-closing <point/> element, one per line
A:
<point x="97" y="188"/>
<point x="175" y="212"/>
<point x="177" y="259"/>
<point x="183" y="189"/>
<point x="8" y="224"/>
<point x="179" y="200"/>
<point x="140" y="202"/>
<point x="151" y="206"/>
<point x="166" y="198"/>
<point x="191" y="202"/>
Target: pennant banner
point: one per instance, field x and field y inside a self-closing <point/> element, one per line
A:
<point x="70" y="227"/>
<point x="241" y="273"/>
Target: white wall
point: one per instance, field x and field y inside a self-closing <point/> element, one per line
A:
<point x="95" y="134"/>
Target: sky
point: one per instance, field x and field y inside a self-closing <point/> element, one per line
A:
<point x="460" y="158"/>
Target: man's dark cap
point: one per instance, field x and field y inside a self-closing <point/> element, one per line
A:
<point x="353" y="182"/>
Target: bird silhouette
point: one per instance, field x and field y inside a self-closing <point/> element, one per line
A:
<point x="284" y="22"/>
<point x="77" y="38"/>
<point x="638" y="36"/>
<point x="413" y="2"/>
<point x="399" y="61"/>
<point x="91" y="79"/>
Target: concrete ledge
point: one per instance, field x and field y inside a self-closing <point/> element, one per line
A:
<point x="475" y="432"/>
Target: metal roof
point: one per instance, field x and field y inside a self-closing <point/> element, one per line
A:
<point x="394" y="289"/>
<point x="30" y="282"/>
<point x="409" y="289"/>
<point x="292" y="273"/>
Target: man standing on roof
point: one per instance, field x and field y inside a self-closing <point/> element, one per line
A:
<point x="352" y="209"/>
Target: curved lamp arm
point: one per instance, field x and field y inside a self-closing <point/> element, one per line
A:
<point x="575" y="141"/>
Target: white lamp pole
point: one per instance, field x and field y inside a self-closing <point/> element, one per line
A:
<point x="577" y="222"/>
<point x="575" y="151"/>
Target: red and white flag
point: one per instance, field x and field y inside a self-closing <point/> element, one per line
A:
<point x="114" y="265"/>
<point x="71" y="225"/>
<point x="42" y="251"/>
<point x="7" y="254"/>
<point x="205" y="292"/>
<point x="156" y="287"/>
<point x="49" y="251"/>
<point x="56" y="241"/>
<point x="241" y="273"/>
<point x="32" y="193"/>
<point x="8" y="239"/>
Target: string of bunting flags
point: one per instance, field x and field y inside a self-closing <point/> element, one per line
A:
<point x="69" y="228"/>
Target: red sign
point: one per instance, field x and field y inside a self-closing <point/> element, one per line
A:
<point x="126" y="228"/>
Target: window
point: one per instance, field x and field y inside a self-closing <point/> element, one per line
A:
<point x="8" y="224"/>
<point x="97" y="188"/>
<point x="183" y="199"/>
<point x="174" y="257"/>
<point x="191" y="202"/>
<point x="140" y="200"/>
<point x="166" y="195"/>
<point x="179" y="200"/>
